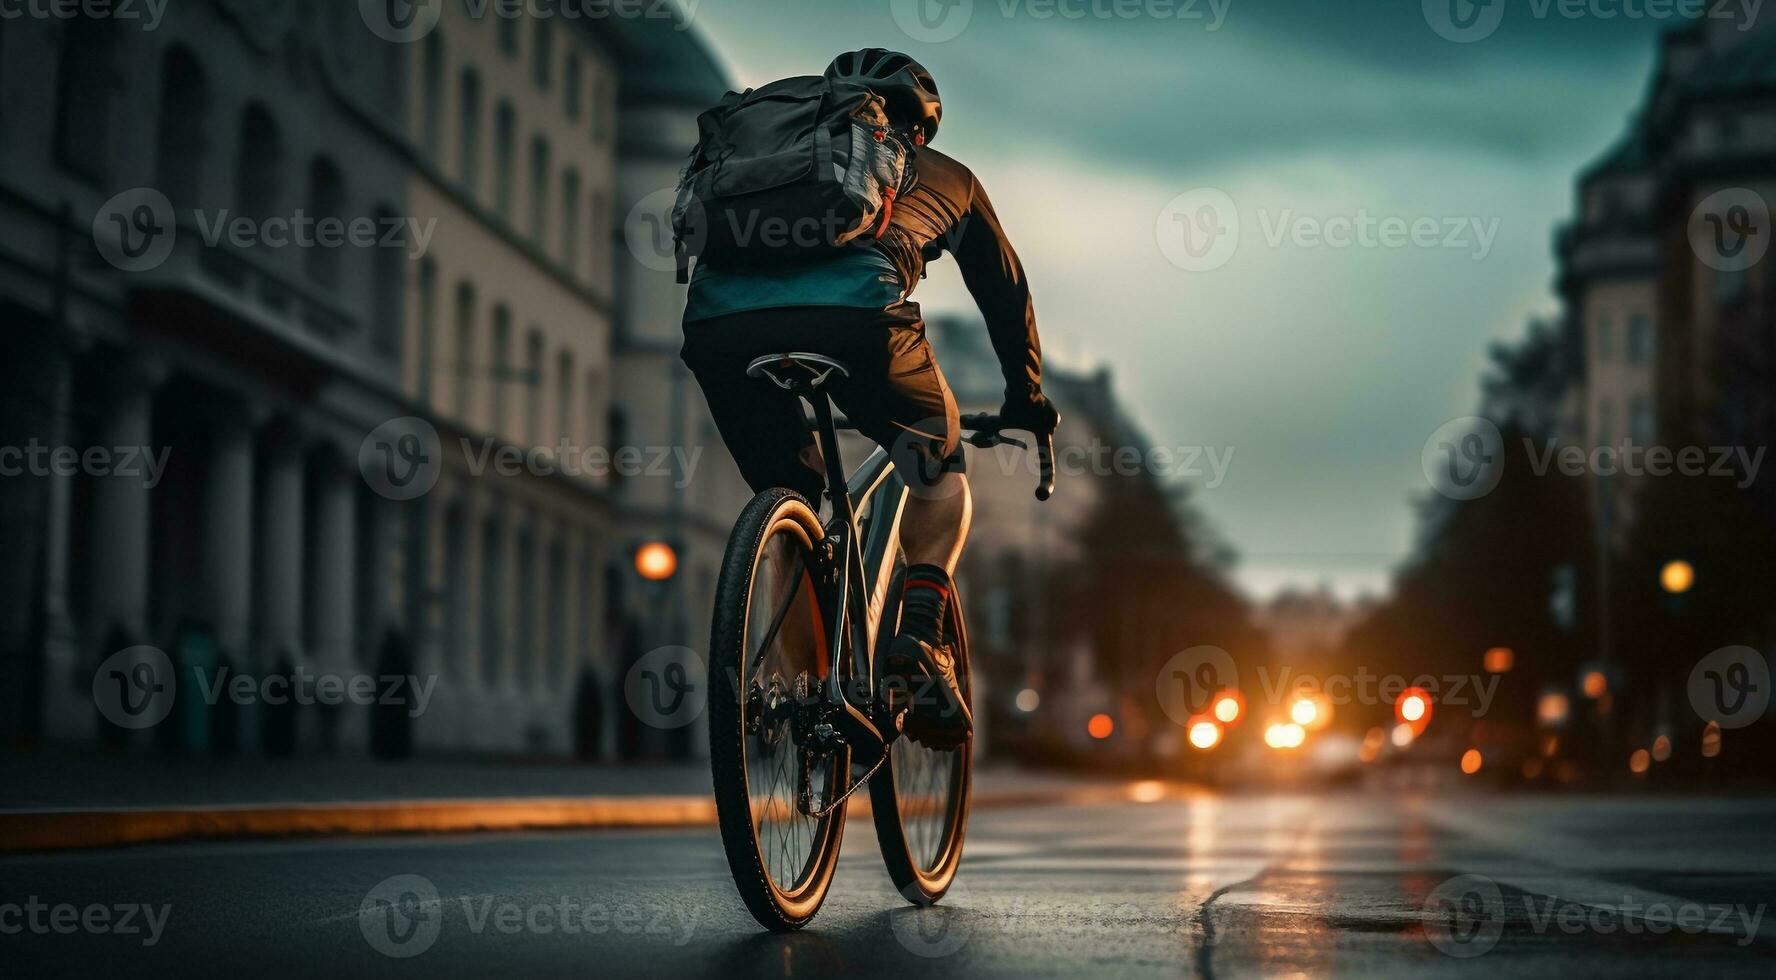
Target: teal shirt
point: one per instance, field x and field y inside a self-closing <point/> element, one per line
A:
<point x="856" y="278"/>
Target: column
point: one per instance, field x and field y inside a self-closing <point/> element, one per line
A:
<point x="334" y="605"/>
<point x="279" y="572"/>
<point x="119" y="556"/>
<point x="228" y="533"/>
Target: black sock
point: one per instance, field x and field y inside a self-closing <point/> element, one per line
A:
<point x="924" y="602"/>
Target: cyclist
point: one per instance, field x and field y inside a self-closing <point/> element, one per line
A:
<point x="855" y="308"/>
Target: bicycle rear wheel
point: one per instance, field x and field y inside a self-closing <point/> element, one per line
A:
<point x="920" y="799"/>
<point x="767" y="661"/>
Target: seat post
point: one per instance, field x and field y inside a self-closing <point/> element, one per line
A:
<point x="829" y="451"/>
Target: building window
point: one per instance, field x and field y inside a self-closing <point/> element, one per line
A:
<point x="1640" y="339"/>
<point x="557" y="663"/>
<point x="526" y="652"/>
<point x="542" y="59"/>
<point x="505" y="132"/>
<point x="456" y="589"/>
<point x="432" y="94"/>
<point x="600" y="110"/>
<point x="259" y="175"/>
<point x="573" y="83"/>
<point x="427" y="307"/>
<point x="86" y="88"/>
<point x="465" y="347"/>
<point x="390" y="275"/>
<point x="1640" y="421"/>
<point x="539" y="190"/>
<point x="595" y="407"/>
<point x="1605" y="342"/>
<point x="468" y="163"/>
<point x="508" y="29"/>
<point x="184" y="106"/>
<point x="502" y="365"/>
<point x="617" y="425"/>
<point x="564" y="382"/>
<point x="326" y="199"/>
<point x="493" y="600"/>
<point x="570" y="221"/>
<point x="533" y="386"/>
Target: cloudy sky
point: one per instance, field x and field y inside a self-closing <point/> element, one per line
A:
<point x="1324" y="368"/>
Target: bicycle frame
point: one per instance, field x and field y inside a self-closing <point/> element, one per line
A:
<point x="864" y="563"/>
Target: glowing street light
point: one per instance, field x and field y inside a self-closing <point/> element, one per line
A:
<point x="1500" y="660"/>
<point x="1552" y="709"/>
<point x="1205" y="735"/>
<point x="1595" y="684"/>
<point x="1303" y="712"/>
<point x="1100" y="726"/>
<point x="1402" y="735"/>
<point x="1471" y="761"/>
<point x="1285" y="735"/>
<point x="1228" y="707"/>
<point x="656" y="561"/>
<point x="1413" y="707"/>
<point x="1677" y="577"/>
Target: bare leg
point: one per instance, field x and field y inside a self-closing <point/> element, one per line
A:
<point x="935" y="524"/>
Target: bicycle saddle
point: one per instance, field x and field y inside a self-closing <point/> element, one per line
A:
<point x="796" y="371"/>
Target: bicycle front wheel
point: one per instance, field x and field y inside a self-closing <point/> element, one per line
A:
<point x="920" y="799"/>
<point x="767" y="663"/>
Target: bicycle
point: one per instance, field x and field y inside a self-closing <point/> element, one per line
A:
<point x="799" y="720"/>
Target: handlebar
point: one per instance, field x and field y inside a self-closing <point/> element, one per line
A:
<point x="989" y="431"/>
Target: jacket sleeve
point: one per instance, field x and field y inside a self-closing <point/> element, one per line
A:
<point x="995" y="278"/>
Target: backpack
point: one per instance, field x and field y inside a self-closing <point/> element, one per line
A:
<point x="787" y="173"/>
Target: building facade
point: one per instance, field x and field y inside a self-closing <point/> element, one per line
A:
<point x="262" y="245"/>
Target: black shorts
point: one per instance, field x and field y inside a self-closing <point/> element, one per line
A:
<point x="895" y="394"/>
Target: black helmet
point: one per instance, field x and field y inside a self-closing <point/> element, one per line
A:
<point x="910" y="91"/>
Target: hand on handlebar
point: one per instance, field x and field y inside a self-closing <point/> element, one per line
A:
<point x="987" y="431"/>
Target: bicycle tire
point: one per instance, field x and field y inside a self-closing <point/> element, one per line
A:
<point x="922" y="863"/>
<point x="778" y="905"/>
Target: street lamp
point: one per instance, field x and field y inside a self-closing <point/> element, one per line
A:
<point x="656" y="561"/>
<point x="1677" y="577"/>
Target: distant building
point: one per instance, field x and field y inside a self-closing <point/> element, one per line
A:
<point x="1653" y="313"/>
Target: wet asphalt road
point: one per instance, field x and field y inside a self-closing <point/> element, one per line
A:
<point x="1231" y="886"/>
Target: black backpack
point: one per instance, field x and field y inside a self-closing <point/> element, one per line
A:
<point x="788" y="172"/>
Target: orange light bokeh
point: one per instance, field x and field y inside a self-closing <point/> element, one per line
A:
<point x="656" y="561"/>
<point x="1100" y="726"/>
